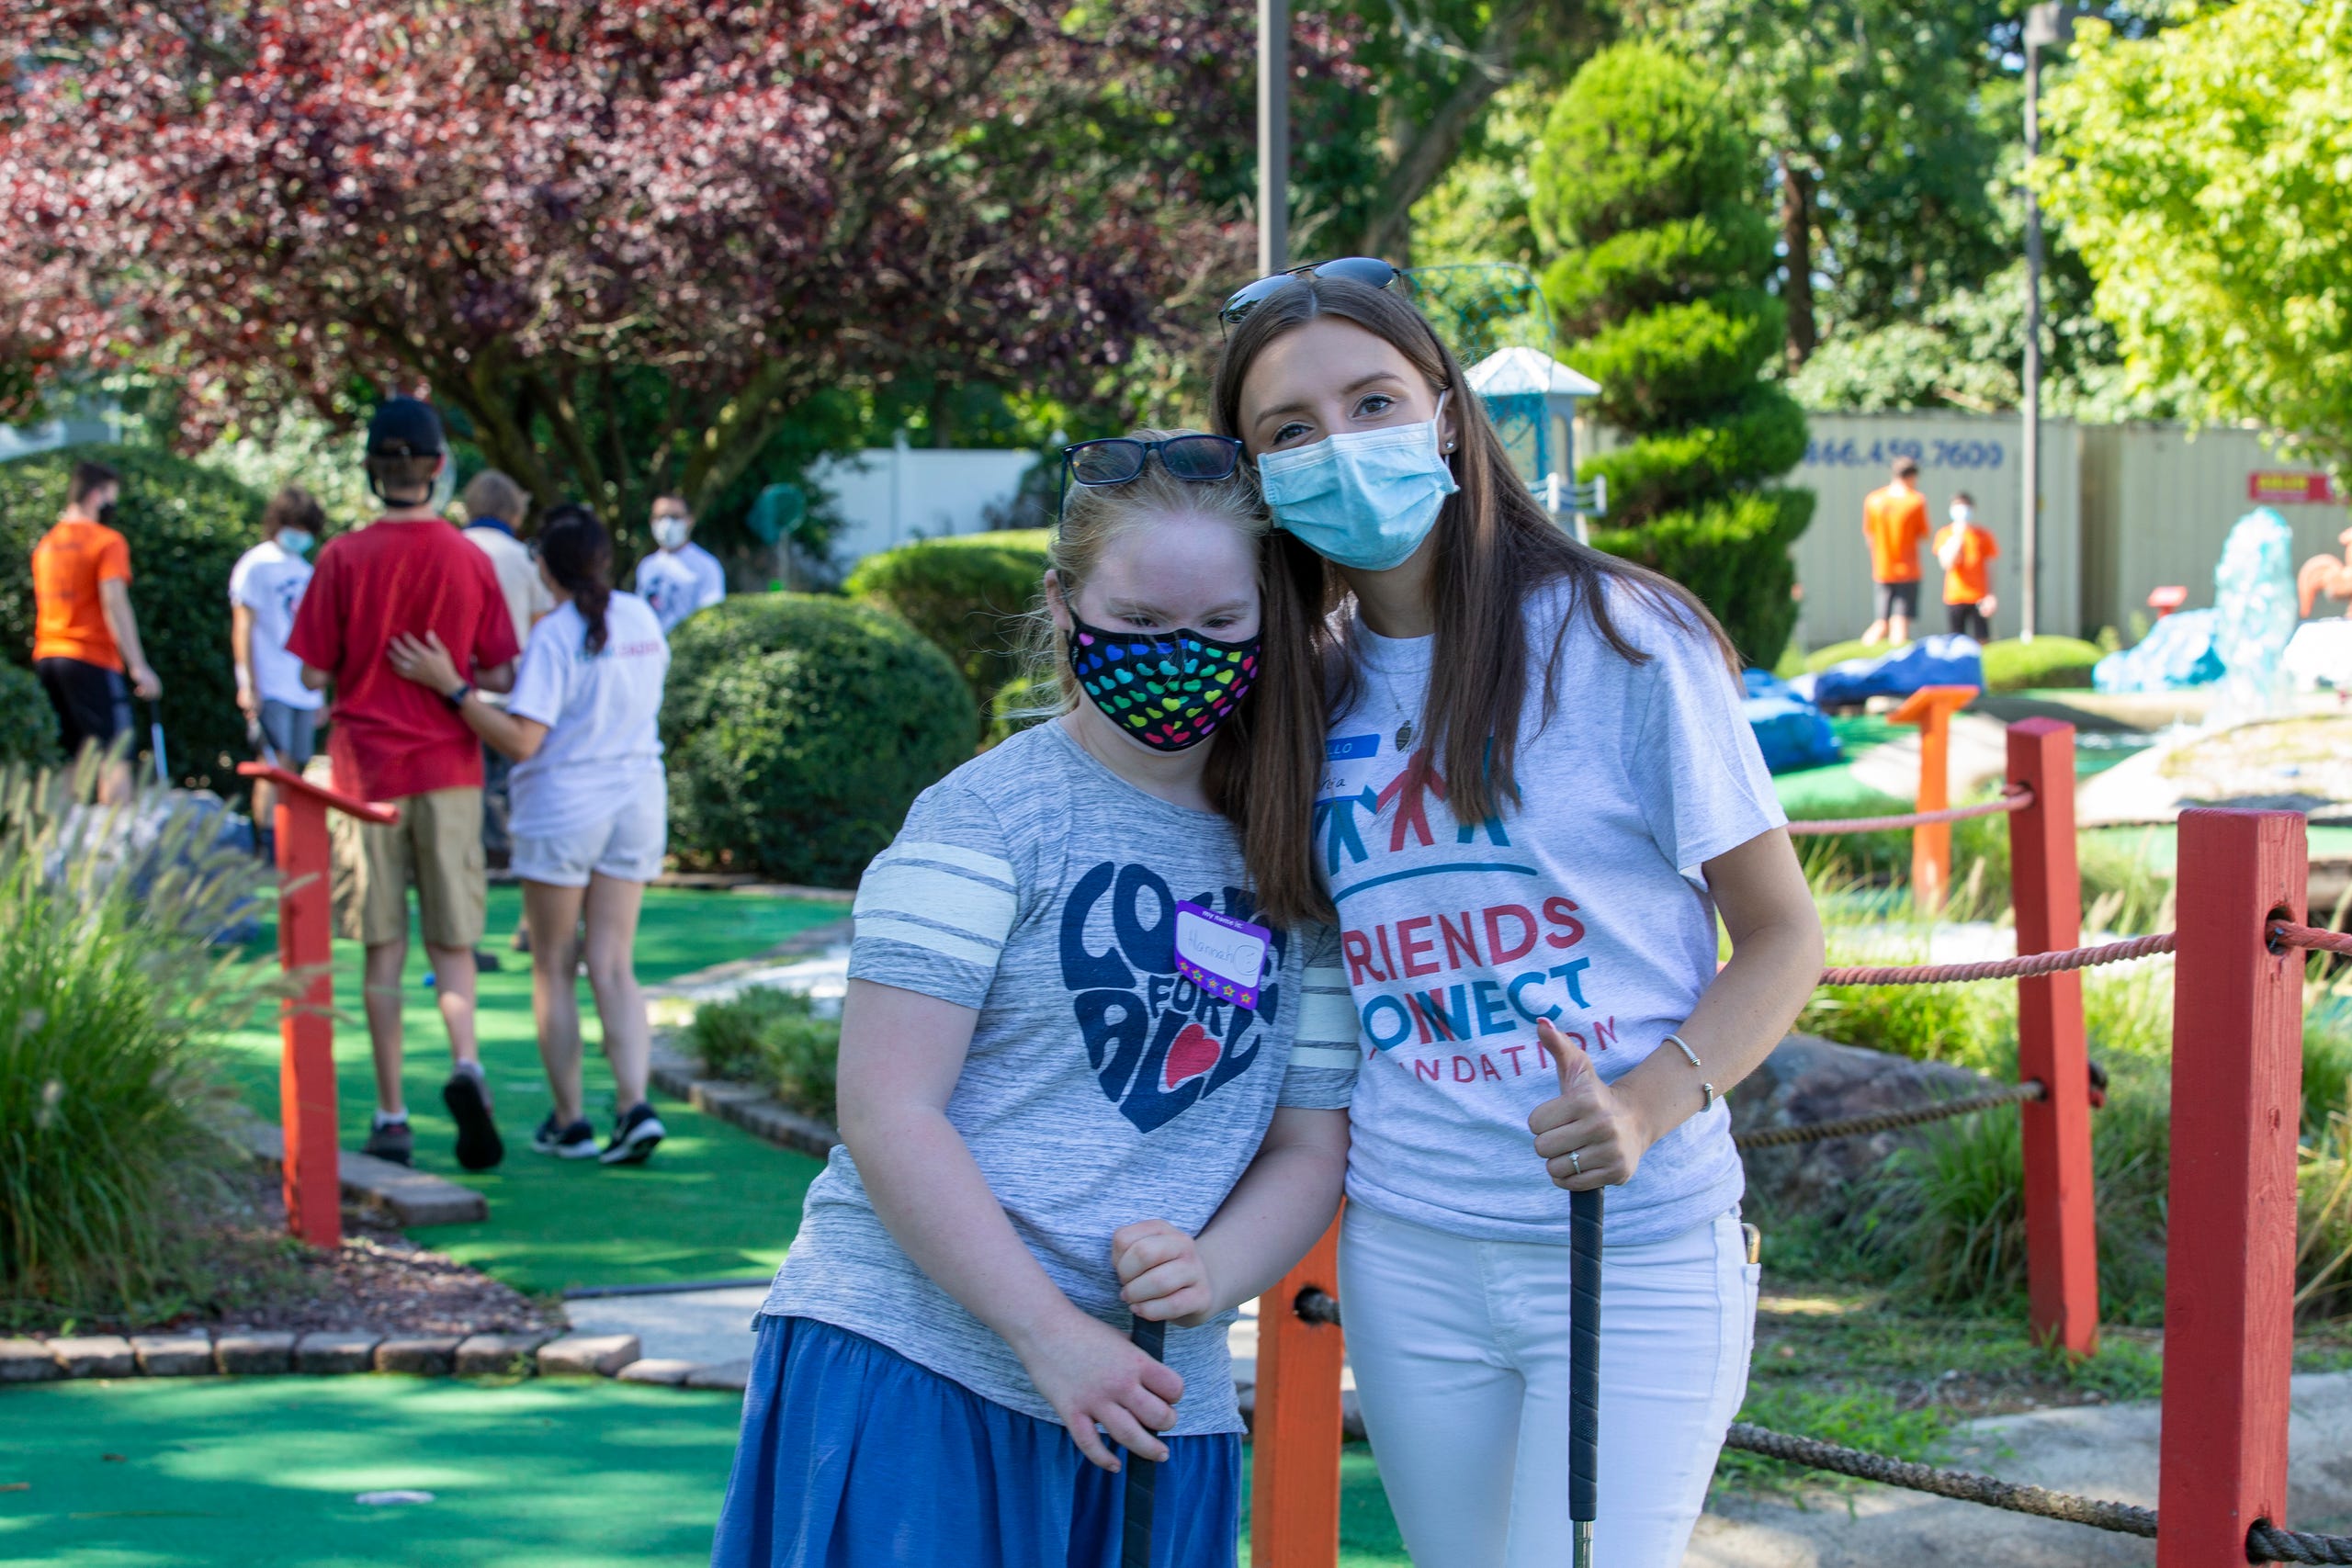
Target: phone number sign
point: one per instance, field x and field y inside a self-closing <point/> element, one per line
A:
<point x="1857" y="454"/>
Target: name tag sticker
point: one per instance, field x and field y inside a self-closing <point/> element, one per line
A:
<point x="1220" y="955"/>
<point x="1347" y="766"/>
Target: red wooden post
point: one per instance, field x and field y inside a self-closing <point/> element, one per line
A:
<point x="1294" y="1443"/>
<point x="2237" y="1070"/>
<point x="306" y="1020"/>
<point x="2061" y="1222"/>
<point x="1931" y="707"/>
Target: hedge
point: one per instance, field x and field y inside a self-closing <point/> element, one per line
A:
<point x="773" y="1038"/>
<point x="28" y="724"/>
<point x="799" y="729"/>
<point x="965" y="593"/>
<point x="187" y="525"/>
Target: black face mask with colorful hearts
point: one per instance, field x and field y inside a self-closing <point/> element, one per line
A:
<point x="1170" y="692"/>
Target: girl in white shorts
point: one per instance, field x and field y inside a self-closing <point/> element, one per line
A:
<point x="589" y="815"/>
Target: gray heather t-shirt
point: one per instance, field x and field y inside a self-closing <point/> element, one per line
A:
<point x="1101" y="1087"/>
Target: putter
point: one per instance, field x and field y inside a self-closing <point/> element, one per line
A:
<point x="1584" y="1370"/>
<point x="1135" y="1540"/>
<point x="155" y="739"/>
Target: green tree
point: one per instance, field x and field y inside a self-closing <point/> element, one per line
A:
<point x="1646" y="189"/>
<point x="2206" y="175"/>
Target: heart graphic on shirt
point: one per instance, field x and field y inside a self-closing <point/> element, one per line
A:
<point x="1190" y="1055"/>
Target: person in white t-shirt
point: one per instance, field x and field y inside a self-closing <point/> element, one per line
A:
<point x="590" y="814"/>
<point x="1538" y="794"/>
<point x="265" y="587"/>
<point x="681" y="578"/>
<point x="495" y="506"/>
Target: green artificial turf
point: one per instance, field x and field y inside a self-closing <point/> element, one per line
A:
<point x="266" y="1471"/>
<point x="714" y="1204"/>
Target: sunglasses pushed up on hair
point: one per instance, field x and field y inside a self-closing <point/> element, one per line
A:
<point x="1120" y="459"/>
<point x="1370" y="271"/>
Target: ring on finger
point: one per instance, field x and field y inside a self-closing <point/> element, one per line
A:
<point x="1575" y="1164"/>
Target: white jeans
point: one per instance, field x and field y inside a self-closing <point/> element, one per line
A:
<point x="1461" y="1355"/>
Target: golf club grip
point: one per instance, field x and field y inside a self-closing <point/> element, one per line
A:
<point x="1584" y="1355"/>
<point x="1142" y="1477"/>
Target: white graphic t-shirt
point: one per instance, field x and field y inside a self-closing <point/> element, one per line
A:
<point x="1582" y="905"/>
<point x="268" y="579"/>
<point x="602" y="711"/>
<point x="679" y="582"/>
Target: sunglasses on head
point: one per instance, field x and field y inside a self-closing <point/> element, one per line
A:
<point x="1119" y="460"/>
<point x="1371" y="271"/>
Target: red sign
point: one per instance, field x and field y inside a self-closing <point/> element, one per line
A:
<point x="2277" y="486"/>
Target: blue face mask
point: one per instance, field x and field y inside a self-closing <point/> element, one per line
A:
<point x="294" y="541"/>
<point x="1364" y="499"/>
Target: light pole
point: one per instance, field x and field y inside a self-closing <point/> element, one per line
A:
<point x="1273" y="136"/>
<point x="2046" y="23"/>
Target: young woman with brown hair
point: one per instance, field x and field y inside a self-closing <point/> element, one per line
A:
<point x="1090" y="1076"/>
<point x="1538" y="794"/>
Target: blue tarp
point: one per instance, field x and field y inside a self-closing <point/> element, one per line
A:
<point x="1788" y="730"/>
<point x="1930" y="661"/>
<point x="2177" y="652"/>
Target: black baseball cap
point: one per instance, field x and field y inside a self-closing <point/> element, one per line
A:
<point x="405" y="427"/>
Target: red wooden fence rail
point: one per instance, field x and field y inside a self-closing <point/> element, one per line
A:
<point x="2237" y="1069"/>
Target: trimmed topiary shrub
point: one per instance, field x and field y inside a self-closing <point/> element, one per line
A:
<point x="187" y="525"/>
<point x="773" y="1038"/>
<point x="28" y="724"/>
<point x="2046" y="662"/>
<point x="799" y="729"/>
<point x="967" y="593"/>
<point x="1645" y="188"/>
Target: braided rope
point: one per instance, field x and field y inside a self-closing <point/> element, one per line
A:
<point x="2024" y="967"/>
<point x="1964" y="1485"/>
<point x="2266" y="1542"/>
<point x="2015" y="800"/>
<point x="2286" y="933"/>
<point x="1888" y="1120"/>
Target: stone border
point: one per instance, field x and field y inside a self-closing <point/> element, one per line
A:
<point x="406" y="1196"/>
<point x="741" y="1104"/>
<point x="250" y="1353"/>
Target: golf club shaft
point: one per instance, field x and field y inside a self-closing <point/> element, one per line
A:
<point x="1584" y="1371"/>
<point x="1142" y="1477"/>
<point x="155" y="739"/>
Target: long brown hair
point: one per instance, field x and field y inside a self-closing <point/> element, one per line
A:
<point x="1492" y="548"/>
<point x="1263" y="762"/>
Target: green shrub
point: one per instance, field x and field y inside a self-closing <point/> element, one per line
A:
<point x="28" y="724"/>
<point x="772" y="1038"/>
<point x="110" y="1000"/>
<point x="1646" y="191"/>
<point x="2045" y="662"/>
<point x="967" y="593"/>
<point x="1838" y="653"/>
<point x="187" y="525"/>
<point x="799" y="729"/>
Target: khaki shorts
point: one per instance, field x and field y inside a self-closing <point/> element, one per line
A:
<point x="437" y="844"/>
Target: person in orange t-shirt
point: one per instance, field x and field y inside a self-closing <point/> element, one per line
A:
<point x="1967" y="553"/>
<point x="85" y="636"/>
<point x="1894" y="521"/>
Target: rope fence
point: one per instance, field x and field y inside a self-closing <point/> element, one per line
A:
<point x="2024" y="967"/>
<point x="1888" y="1120"/>
<point x="2266" y="1542"/>
<point x="1814" y="828"/>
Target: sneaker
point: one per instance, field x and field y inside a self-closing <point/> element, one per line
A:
<point x="575" y="1142"/>
<point x="468" y="1098"/>
<point x="521" y="942"/>
<point x="391" y="1140"/>
<point x="634" y="1136"/>
<point x="486" y="962"/>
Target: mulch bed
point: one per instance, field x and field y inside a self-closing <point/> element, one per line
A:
<point x="244" y="1272"/>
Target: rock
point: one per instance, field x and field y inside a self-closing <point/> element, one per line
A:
<point x="95" y="1356"/>
<point x="255" y="1353"/>
<point x="733" y="1376"/>
<point x="1807" y="1079"/>
<point x="432" y="1356"/>
<point x="662" y="1371"/>
<point x="587" y="1355"/>
<point x="331" y="1354"/>
<point x="498" y="1355"/>
<point x="28" y="1360"/>
<point x="173" y="1355"/>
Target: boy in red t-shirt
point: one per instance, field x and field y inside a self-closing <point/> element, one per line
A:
<point x="392" y="740"/>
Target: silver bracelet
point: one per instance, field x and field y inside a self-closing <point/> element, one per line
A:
<point x="1706" y="1098"/>
<point x="1684" y="1047"/>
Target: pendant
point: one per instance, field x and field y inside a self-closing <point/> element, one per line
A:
<point x="1405" y="736"/>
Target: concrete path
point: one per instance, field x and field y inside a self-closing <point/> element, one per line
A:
<point x="2107" y="1451"/>
<point x="703" y="1326"/>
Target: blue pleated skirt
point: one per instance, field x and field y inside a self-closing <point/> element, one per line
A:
<point x="855" y="1457"/>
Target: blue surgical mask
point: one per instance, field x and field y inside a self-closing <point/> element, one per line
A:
<point x="1364" y="499"/>
<point x="295" y="541"/>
